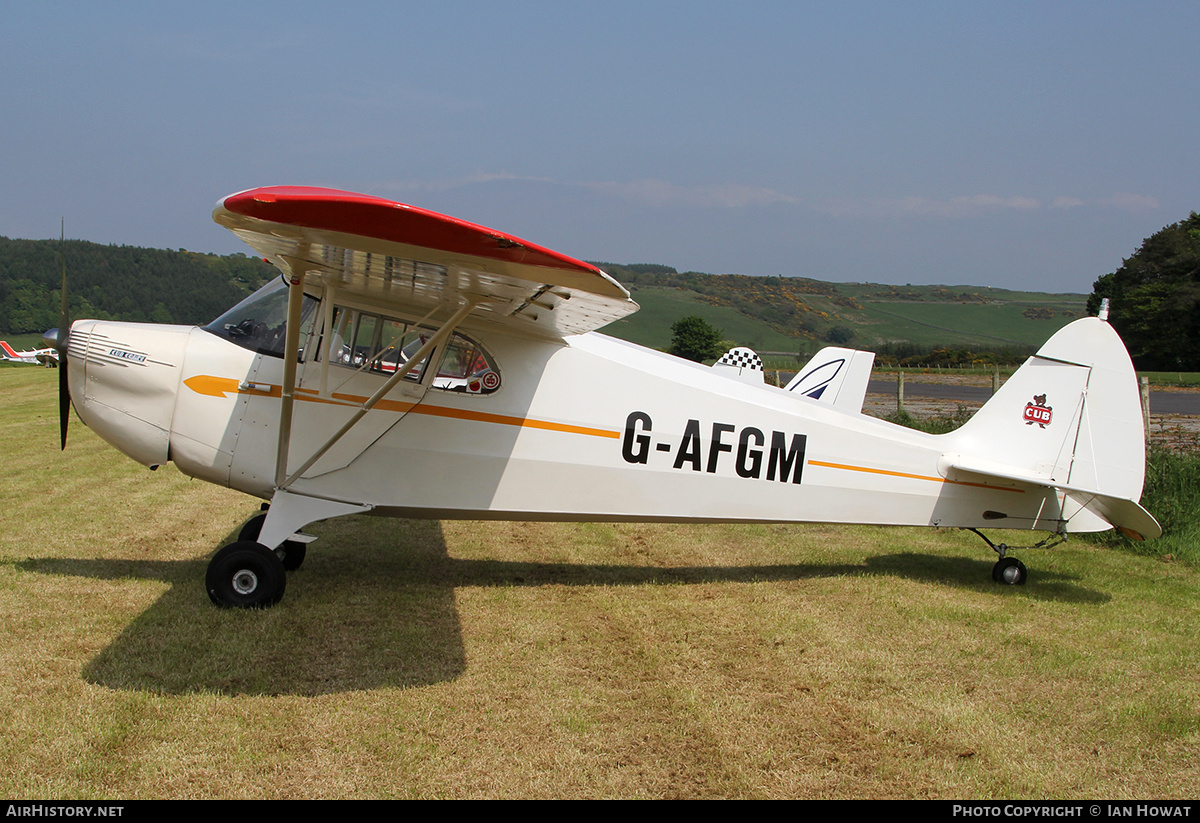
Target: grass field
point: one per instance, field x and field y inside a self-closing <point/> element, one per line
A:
<point x="427" y="659"/>
<point x="924" y="320"/>
<point x="651" y="324"/>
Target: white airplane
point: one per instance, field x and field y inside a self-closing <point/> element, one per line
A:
<point x="47" y="357"/>
<point x="410" y="364"/>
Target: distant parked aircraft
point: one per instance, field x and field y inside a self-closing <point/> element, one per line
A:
<point x="47" y="357"/>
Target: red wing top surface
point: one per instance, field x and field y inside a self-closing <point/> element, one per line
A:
<point x="417" y="259"/>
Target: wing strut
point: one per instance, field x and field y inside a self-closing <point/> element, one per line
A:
<point x="291" y="355"/>
<point x="424" y="352"/>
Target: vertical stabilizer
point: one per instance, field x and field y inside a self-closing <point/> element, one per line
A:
<point x="1071" y="415"/>
<point x="836" y="376"/>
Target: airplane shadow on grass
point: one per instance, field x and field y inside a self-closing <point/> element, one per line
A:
<point x="373" y="607"/>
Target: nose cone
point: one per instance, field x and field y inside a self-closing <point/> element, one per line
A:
<point x="124" y="378"/>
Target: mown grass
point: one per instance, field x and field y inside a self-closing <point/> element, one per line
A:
<point x="1172" y="378"/>
<point x="459" y="659"/>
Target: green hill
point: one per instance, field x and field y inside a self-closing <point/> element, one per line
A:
<point x="799" y="315"/>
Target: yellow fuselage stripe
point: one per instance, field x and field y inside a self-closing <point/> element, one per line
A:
<point x="890" y="473"/>
<point x="220" y="386"/>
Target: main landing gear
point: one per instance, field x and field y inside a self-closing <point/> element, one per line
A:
<point x="291" y="552"/>
<point x="250" y="575"/>
<point x="247" y="574"/>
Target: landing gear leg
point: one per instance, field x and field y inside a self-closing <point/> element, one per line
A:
<point x="251" y="573"/>
<point x="291" y="552"/>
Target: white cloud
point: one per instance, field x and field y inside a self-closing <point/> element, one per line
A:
<point x="962" y="206"/>
<point x="721" y="196"/>
<point x="1067" y="202"/>
<point x="1131" y="202"/>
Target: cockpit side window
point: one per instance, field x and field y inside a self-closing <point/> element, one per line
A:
<point x="365" y="340"/>
<point x="466" y="367"/>
<point x="259" y="322"/>
<point x="380" y="344"/>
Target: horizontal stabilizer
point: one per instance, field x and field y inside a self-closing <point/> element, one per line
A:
<point x="1124" y="514"/>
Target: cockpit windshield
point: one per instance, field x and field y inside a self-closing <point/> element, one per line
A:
<point x="258" y="323"/>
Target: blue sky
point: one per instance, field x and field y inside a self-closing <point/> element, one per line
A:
<point x="1027" y="145"/>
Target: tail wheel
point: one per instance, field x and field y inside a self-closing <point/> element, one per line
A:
<point x="1009" y="571"/>
<point x="245" y="575"/>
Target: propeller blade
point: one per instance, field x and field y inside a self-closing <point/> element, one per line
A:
<point x="62" y="338"/>
<point x="64" y="403"/>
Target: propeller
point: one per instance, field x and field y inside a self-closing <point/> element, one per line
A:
<point x="61" y="336"/>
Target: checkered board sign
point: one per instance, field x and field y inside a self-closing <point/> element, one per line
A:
<point x="741" y="358"/>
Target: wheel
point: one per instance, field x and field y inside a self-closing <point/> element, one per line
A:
<point x="291" y="552"/>
<point x="253" y="526"/>
<point x="245" y="575"/>
<point x="1010" y="571"/>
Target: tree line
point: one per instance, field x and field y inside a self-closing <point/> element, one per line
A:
<point x="109" y="282"/>
<point x="1155" y="299"/>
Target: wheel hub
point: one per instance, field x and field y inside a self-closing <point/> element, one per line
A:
<point x="245" y="581"/>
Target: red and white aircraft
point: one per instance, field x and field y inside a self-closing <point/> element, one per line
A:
<point x="410" y="364"/>
<point x="47" y="357"/>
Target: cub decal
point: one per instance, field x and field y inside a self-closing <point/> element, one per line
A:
<point x="1038" y="412"/>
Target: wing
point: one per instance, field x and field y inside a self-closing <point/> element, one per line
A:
<point x="409" y="257"/>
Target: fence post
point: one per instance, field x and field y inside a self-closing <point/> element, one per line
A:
<point x="1146" y="406"/>
<point x="900" y="391"/>
<point x="996" y="381"/>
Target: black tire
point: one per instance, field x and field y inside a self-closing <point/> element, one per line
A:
<point x="291" y="552"/>
<point x="1010" y="571"/>
<point x="253" y="527"/>
<point x="245" y="575"/>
